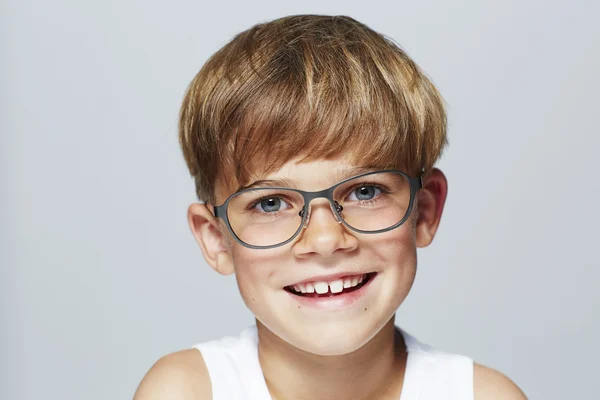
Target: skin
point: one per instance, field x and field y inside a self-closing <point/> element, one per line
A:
<point x="319" y="354"/>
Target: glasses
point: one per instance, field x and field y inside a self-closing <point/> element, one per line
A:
<point x="268" y="217"/>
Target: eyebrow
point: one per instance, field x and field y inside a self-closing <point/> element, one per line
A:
<point x="284" y="182"/>
<point x="269" y="183"/>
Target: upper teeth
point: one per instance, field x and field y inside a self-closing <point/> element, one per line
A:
<point x="335" y="286"/>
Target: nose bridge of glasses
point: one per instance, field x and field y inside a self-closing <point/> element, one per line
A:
<point x="326" y="194"/>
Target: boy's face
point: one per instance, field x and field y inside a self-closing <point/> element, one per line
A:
<point x="324" y="251"/>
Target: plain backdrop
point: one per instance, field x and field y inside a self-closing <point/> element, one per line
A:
<point x="100" y="275"/>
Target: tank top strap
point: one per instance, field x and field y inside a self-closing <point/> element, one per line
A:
<point x="432" y="374"/>
<point x="254" y="382"/>
<point x="233" y="367"/>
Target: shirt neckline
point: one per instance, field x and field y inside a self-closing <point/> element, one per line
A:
<point x="254" y="380"/>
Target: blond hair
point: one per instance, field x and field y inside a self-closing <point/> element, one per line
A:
<point x="308" y="86"/>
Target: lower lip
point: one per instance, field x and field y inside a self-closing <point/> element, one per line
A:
<point x="337" y="301"/>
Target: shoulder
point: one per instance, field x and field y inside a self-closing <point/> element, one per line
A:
<point x="462" y="374"/>
<point x="491" y="384"/>
<point x="177" y="376"/>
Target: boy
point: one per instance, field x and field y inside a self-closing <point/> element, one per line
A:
<point x="312" y="141"/>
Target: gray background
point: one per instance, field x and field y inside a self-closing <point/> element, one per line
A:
<point x="100" y="275"/>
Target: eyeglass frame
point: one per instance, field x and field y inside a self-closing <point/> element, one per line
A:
<point x="221" y="211"/>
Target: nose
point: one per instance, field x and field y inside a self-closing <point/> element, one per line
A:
<point x="323" y="233"/>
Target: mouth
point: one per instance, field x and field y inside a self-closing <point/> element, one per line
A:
<point x="337" y="287"/>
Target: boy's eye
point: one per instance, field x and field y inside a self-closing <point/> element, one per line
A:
<point x="271" y="204"/>
<point x="364" y="192"/>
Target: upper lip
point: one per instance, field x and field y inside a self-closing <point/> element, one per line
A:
<point x="328" y="278"/>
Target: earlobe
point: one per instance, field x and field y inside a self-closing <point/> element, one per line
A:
<point x="431" y="200"/>
<point x="205" y="228"/>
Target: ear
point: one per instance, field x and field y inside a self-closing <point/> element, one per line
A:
<point x="430" y="204"/>
<point x="205" y="228"/>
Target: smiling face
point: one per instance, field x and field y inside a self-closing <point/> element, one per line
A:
<point x="352" y="282"/>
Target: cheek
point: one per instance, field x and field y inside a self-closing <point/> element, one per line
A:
<point x="395" y="251"/>
<point x="254" y="271"/>
<point x="396" y="247"/>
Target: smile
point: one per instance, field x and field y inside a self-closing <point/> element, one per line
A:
<point x="319" y="289"/>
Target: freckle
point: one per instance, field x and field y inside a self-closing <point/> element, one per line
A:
<point x="365" y="308"/>
<point x="298" y="306"/>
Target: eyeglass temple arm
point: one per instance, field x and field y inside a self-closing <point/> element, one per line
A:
<point x="219" y="211"/>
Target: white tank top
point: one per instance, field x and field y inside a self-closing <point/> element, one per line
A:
<point x="431" y="374"/>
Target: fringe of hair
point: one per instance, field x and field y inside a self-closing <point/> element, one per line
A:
<point x="309" y="87"/>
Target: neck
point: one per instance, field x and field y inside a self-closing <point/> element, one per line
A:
<point x="375" y="371"/>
